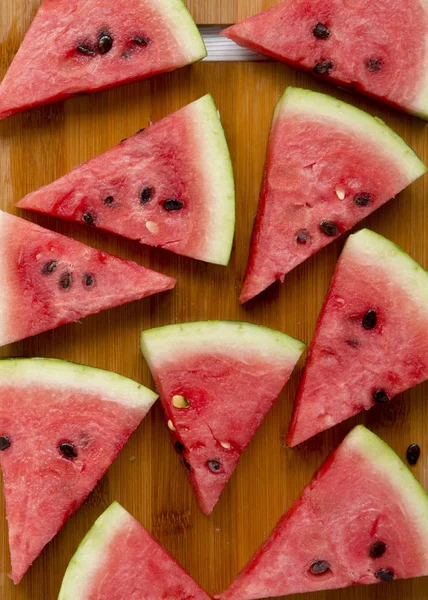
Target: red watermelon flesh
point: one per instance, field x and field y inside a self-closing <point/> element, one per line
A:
<point x="328" y="166"/>
<point x="45" y="404"/>
<point x="76" y="46"/>
<point x="377" y="48"/>
<point x="371" y="340"/>
<point x="119" y="560"/>
<point x="217" y="380"/>
<point x="362" y="520"/>
<point x="50" y="279"/>
<point x="170" y="186"/>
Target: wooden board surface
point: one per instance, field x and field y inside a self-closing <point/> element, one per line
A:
<point x="39" y="146"/>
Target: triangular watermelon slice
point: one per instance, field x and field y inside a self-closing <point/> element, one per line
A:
<point x="49" y="279"/>
<point x="170" y="185"/>
<point x="371" y="339"/>
<point x="328" y="166"/>
<point x="76" y="46"/>
<point x="377" y="48"/>
<point x="61" y="427"/>
<point x="119" y="560"/>
<point x="363" y="519"/>
<point x="217" y="380"/>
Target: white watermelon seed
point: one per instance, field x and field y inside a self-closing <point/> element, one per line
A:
<point x="171" y="425"/>
<point x="152" y="227"/>
<point x="180" y="402"/>
<point x="340" y="193"/>
<point x="225" y="445"/>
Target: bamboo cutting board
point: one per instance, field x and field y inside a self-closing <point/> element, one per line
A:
<point x="39" y="146"/>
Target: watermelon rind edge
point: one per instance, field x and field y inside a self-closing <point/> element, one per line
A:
<point x="54" y="372"/>
<point x="87" y="559"/>
<point x="228" y="336"/>
<point x="316" y="104"/>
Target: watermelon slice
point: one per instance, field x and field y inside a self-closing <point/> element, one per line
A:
<point x="328" y="166"/>
<point x="217" y="380"/>
<point x="119" y="560"/>
<point x="50" y="279"/>
<point x="363" y="519"/>
<point x="371" y="340"/>
<point x="76" y="46"/>
<point x="378" y="48"/>
<point x="170" y="186"/>
<point x="61" y="427"/>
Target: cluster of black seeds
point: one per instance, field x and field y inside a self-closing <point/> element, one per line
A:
<point x="146" y="195"/>
<point x="67" y="449"/>
<point x="65" y="280"/>
<point x="105" y="43"/>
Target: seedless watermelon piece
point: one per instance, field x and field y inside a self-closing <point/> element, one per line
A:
<point x="61" y="427"/>
<point x="76" y="46"/>
<point x="328" y="166"/>
<point x="377" y="48"/>
<point x="362" y="519"/>
<point x="170" y="185"/>
<point x="50" y="279"/>
<point x="118" y="559"/>
<point x="217" y="380"/>
<point x="371" y="339"/>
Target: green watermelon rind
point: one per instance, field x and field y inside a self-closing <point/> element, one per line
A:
<point x="88" y="558"/>
<point x="160" y="343"/>
<point x="183" y="27"/>
<point x="54" y="373"/>
<point x="372" y="248"/>
<point x="219" y="180"/>
<point x="327" y="107"/>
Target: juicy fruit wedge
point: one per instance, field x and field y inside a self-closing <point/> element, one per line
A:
<point x="76" y="46"/>
<point x="50" y="279"/>
<point x="61" y="427"/>
<point x="371" y="339"/>
<point x="377" y="48"/>
<point x="328" y="166"/>
<point x="217" y="380"/>
<point x="118" y="559"/>
<point x="170" y="185"/>
<point x="363" y="519"/>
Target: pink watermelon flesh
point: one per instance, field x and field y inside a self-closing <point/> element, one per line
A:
<point x="349" y="365"/>
<point x="328" y="166"/>
<point x="44" y="404"/>
<point x="76" y="46"/>
<point x="119" y="559"/>
<point x="130" y="189"/>
<point x="50" y="279"/>
<point x="361" y="520"/>
<point x="377" y="48"/>
<point x="230" y="374"/>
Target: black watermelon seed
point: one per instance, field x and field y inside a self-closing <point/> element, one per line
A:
<point x="323" y="67"/>
<point x="68" y="450"/>
<point x="4" y="442"/>
<point x="302" y="236"/>
<point x="363" y="199"/>
<point x="321" y="31"/>
<point x="173" y="204"/>
<point x="49" y="267"/>
<point x="109" y="200"/>
<point x="65" y="281"/>
<point x="214" y="466"/>
<point x="385" y="575"/>
<point x="140" y="41"/>
<point x="329" y="228"/>
<point x="320" y="567"/>
<point x="373" y="64"/>
<point x="89" y="219"/>
<point x="85" y="50"/>
<point x="179" y="447"/>
<point x="413" y="453"/>
<point x="141" y="130"/>
<point x="187" y="465"/>
<point x="88" y="279"/>
<point x="380" y="396"/>
<point x="353" y="343"/>
<point x="146" y="195"/>
<point x="370" y="319"/>
<point x="105" y="42"/>
<point x="377" y="550"/>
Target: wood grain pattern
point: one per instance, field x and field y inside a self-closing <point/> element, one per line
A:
<point x="39" y="146"/>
